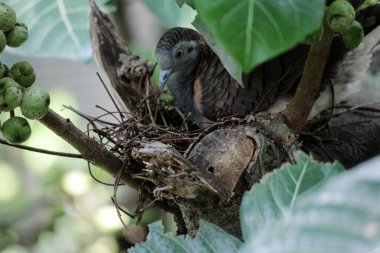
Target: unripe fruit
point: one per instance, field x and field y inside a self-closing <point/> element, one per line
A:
<point x="6" y="82"/>
<point x="12" y="98"/>
<point x="23" y="73"/>
<point x="340" y="15"/>
<point x="18" y="35"/>
<point x="314" y="37"/>
<point x="3" y="41"/>
<point x="35" y="102"/>
<point x="16" y="130"/>
<point x="7" y="17"/>
<point x="354" y="36"/>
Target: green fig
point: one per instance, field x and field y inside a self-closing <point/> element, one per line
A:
<point x="6" y="82"/>
<point x="23" y="73"/>
<point x="12" y="98"/>
<point x="35" y="102"/>
<point x="340" y="15"/>
<point x="16" y="130"/>
<point x="17" y="36"/>
<point x="354" y="36"/>
<point x="7" y="17"/>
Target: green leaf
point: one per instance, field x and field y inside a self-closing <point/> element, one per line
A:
<point x="343" y="215"/>
<point x="229" y="63"/>
<point x="57" y="28"/>
<point x="170" y="14"/>
<point x="209" y="238"/>
<point x="254" y="31"/>
<point x="275" y="196"/>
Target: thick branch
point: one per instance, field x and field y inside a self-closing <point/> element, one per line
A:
<point x="298" y="110"/>
<point x="90" y="149"/>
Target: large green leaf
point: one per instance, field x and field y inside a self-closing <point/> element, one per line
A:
<point x="209" y="238"/>
<point x="253" y="31"/>
<point x="343" y="215"/>
<point x="275" y="196"/>
<point x="170" y="14"/>
<point x="57" y="28"/>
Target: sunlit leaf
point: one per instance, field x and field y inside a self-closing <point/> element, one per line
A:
<point x="274" y="197"/>
<point x="342" y="215"/>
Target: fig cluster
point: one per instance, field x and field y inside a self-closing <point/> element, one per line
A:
<point x="17" y="84"/>
<point x="12" y="32"/>
<point x="340" y="16"/>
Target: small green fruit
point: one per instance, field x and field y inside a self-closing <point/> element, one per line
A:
<point x="12" y="98"/>
<point x="23" y="73"/>
<point x="16" y="130"/>
<point x="18" y="35"/>
<point x="340" y="15"/>
<point x="6" y="82"/>
<point x="314" y="37"/>
<point x="354" y="36"/>
<point x="3" y="41"/>
<point x="35" y="102"/>
<point x="7" y="17"/>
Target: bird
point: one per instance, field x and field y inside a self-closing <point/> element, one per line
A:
<point x="203" y="88"/>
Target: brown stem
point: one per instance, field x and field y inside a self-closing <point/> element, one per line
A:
<point x="298" y="110"/>
<point x="90" y="149"/>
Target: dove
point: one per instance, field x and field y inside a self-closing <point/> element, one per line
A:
<point x="203" y="88"/>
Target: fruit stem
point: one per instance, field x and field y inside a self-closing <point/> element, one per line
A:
<point x="299" y="108"/>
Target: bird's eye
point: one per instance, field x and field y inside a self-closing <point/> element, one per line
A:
<point x="179" y="53"/>
<point x="190" y="49"/>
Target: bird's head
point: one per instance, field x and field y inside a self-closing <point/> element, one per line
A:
<point x="177" y="54"/>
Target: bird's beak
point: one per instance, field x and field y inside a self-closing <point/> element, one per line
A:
<point x="164" y="76"/>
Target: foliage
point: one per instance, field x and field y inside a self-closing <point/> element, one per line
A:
<point x="210" y="238"/>
<point x="305" y="207"/>
<point x="170" y="13"/>
<point x="56" y="28"/>
<point x="254" y="31"/>
<point x="276" y="195"/>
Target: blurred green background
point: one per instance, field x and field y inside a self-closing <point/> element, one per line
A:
<point x="50" y="203"/>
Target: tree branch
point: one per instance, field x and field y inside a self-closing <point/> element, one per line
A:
<point x="298" y="110"/>
<point x="90" y="149"/>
